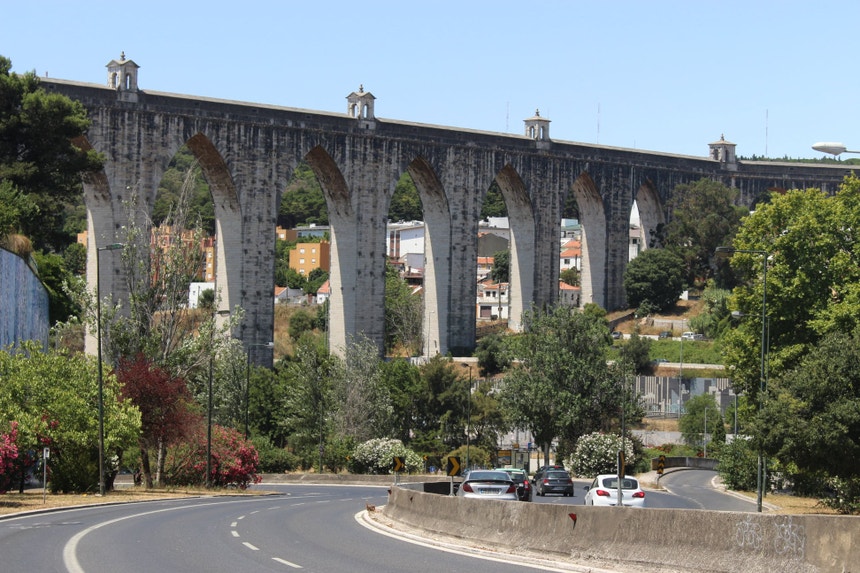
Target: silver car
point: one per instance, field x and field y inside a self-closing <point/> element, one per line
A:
<point x="488" y="484"/>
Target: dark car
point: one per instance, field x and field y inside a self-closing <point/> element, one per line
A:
<point x="665" y="334"/>
<point x="553" y="480"/>
<point x="521" y="479"/>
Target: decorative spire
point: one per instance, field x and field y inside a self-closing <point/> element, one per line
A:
<point x="361" y="88"/>
<point x="122" y="56"/>
<point x="537" y="113"/>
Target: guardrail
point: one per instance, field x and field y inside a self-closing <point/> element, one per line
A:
<point x="720" y="541"/>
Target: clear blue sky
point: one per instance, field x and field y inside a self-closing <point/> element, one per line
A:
<point x="671" y="76"/>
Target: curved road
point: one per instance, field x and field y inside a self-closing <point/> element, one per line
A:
<point x="313" y="528"/>
<point x="310" y="528"/>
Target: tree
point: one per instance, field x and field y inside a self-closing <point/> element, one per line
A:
<point x="440" y="405"/>
<point x="563" y="387"/>
<point x="501" y="270"/>
<point x="403" y="314"/>
<point x="52" y="398"/>
<point x="813" y="281"/>
<point x="492" y="355"/>
<point x="654" y="279"/>
<point x="636" y="350"/>
<point x="700" y="410"/>
<point x="308" y="400"/>
<point x="494" y="203"/>
<point x="364" y="408"/>
<point x="405" y="203"/>
<point x="704" y="216"/>
<point x="570" y="276"/>
<point x="165" y="406"/>
<point x="303" y="201"/>
<point x="811" y="419"/>
<point x="405" y="388"/>
<point x="39" y="157"/>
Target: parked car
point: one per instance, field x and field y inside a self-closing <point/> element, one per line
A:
<point x="554" y="481"/>
<point x="604" y="491"/>
<point x="665" y="334"/>
<point x="692" y="336"/>
<point x="616" y="334"/>
<point x="488" y="484"/>
<point x="521" y="479"/>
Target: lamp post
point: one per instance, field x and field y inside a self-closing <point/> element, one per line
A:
<point x="728" y="251"/>
<point x="468" y="413"/>
<point x="248" y="380"/>
<point x="111" y="247"/>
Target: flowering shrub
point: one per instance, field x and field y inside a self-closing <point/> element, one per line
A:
<point x="377" y="455"/>
<point x="597" y="453"/>
<point x="234" y="460"/>
<point x="8" y="455"/>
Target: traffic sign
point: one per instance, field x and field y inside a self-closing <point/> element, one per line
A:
<point x="453" y="466"/>
<point x="398" y="464"/>
<point x="661" y="463"/>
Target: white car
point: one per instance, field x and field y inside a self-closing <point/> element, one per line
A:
<point x="604" y="491"/>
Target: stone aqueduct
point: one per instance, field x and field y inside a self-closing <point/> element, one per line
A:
<point x="248" y="152"/>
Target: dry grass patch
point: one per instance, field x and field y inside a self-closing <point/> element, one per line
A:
<point x="31" y="500"/>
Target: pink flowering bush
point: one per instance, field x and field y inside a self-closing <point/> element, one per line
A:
<point x="8" y="455"/>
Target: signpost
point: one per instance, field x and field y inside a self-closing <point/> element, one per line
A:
<point x="46" y="454"/>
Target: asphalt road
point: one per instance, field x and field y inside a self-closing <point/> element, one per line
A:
<point x="683" y="489"/>
<point x="307" y="527"/>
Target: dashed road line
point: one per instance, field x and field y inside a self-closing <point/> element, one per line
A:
<point x="287" y="563"/>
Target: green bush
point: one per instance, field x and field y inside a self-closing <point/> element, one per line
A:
<point x="274" y="460"/>
<point x="738" y="465"/>
<point x="597" y="453"/>
<point x="478" y="457"/>
<point x="845" y="497"/>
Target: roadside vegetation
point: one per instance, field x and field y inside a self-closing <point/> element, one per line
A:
<point x="562" y="380"/>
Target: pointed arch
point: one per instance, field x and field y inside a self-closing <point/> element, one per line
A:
<point x="592" y="214"/>
<point x="437" y="257"/>
<point x="521" y="220"/>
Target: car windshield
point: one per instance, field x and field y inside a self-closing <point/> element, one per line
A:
<point x="612" y="483"/>
<point x="517" y="477"/>
<point x="489" y="476"/>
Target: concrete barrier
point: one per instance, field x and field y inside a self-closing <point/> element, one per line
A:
<point x="695" y="540"/>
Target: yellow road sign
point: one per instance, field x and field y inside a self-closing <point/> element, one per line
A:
<point x="453" y="466"/>
<point x="398" y="464"/>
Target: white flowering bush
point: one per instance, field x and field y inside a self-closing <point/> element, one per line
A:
<point x="597" y="453"/>
<point x="376" y="456"/>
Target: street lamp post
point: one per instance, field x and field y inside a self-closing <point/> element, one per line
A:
<point x="728" y="251"/>
<point x="468" y="414"/>
<point x="248" y="380"/>
<point x="111" y="247"/>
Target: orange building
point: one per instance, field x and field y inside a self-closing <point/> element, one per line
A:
<point x="306" y="257"/>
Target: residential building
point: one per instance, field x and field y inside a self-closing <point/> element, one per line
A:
<point x="492" y="303"/>
<point x="306" y="257"/>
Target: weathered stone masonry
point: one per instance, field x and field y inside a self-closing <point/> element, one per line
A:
<point x="248" y="151"/>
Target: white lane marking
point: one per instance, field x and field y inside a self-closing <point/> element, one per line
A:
<point x="288" y="563"/>
<point x="234" y="524"/>
<point x="249" y="546"/>
<point x="70" y="557"/>
<point x="256" y="511"/>
<point x="240" y="517"/>
<point x="235" y="533"/>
